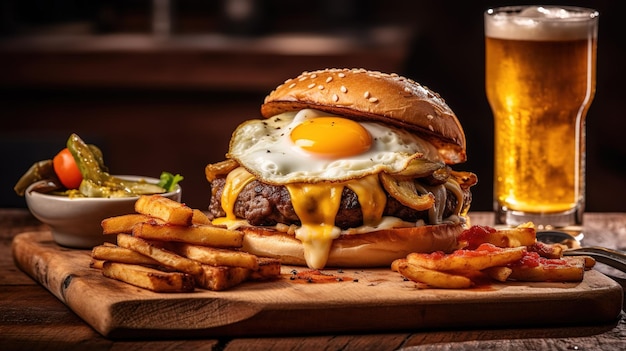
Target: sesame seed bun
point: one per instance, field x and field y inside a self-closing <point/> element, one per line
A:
<point x="367" y="95"/>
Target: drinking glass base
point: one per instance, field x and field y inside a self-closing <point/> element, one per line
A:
<point x="571" y="220"/>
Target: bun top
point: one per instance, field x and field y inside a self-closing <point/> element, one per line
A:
<point x="368" y="95"/>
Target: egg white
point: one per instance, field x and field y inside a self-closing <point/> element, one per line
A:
<point x="265" y="149"/>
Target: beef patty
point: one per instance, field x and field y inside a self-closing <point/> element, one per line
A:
<point x="264" y="204"/>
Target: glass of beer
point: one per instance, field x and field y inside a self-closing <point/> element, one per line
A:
<point x="540" y="81"/>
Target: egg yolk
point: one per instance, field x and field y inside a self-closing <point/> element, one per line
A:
<point x="331" y="137"/>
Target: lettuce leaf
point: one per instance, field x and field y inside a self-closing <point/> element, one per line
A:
<point x="168" y="181"/>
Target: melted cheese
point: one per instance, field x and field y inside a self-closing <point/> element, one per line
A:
<point x="236" y="180"/>
<point x="372" y="198"/>
<point x="316" y="205"/>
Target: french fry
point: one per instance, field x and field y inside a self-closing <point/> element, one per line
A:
<point x="164" y="257"/>
<point x="566" y="269"/>
<point x="120" y="254"/>
<point x="514" y="237"/>
<point x="125" y="223"/>
<point x="506" y="237"/>
<point x="500" y="274"/>
<point x="221" y="277"/>
<point x="199" y="217"/>
<point x="166" y="209"/>
<point x="217" y="257"/>
<point x="269" y="268"/>
<point x="149" y="278"/>
<point x="589" y="262"/>
<point x="395" y="265"/>
<point x="483" y="257"/>
<point x="432" y="278"/>
<point x="207" y="235"/>
<point x="546" y="250"/>
<point x="95" y="263"/>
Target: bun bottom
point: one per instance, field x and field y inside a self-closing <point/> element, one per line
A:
<point x="373" y="249"/>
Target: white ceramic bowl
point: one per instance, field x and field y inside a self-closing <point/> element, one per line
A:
<point x="75" y="222"/>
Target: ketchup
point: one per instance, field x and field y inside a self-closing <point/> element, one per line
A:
<point x="475" y="235"/>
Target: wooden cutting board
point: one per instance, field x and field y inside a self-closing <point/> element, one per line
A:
<point x="369" y="300"/>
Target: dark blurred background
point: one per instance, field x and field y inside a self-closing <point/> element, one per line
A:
<point x="161" y="84"/>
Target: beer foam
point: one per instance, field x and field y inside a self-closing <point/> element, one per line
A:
<point x="541" y="23"/>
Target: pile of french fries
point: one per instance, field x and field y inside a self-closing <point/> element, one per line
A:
<point x="501" y="255"/>
<point x="169" y="247"/>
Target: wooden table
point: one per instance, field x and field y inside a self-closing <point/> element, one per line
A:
<point x="32" y="318"/>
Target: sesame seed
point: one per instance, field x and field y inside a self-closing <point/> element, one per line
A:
<point x="292" y="85"/>
<point x="430" y="117"/>
<point x="366" y="95"/>
<point x="320" y="87"/>
<point x="373" y="99"/>
<point x="313" y="76"/>
<point x="431" y="128"/>
<point x="303" y="78"/>
<point x="335" y="98"/>
<point x="311" y="85"/>
<point x="343" y="89"/>
<point x="329" y="79"/>
<point x="341" y="75"/>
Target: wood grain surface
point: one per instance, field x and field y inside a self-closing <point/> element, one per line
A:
<point x="363" y="301"/>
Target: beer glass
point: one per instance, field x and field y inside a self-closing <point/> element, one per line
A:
<point x="540" y="78"/>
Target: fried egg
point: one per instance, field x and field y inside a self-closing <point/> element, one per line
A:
<point x="312" y="146"/>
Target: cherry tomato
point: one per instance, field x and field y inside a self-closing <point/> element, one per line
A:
<point x="67" y="170"/>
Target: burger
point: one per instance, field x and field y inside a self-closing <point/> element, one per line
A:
<point x="348" y="168"/>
